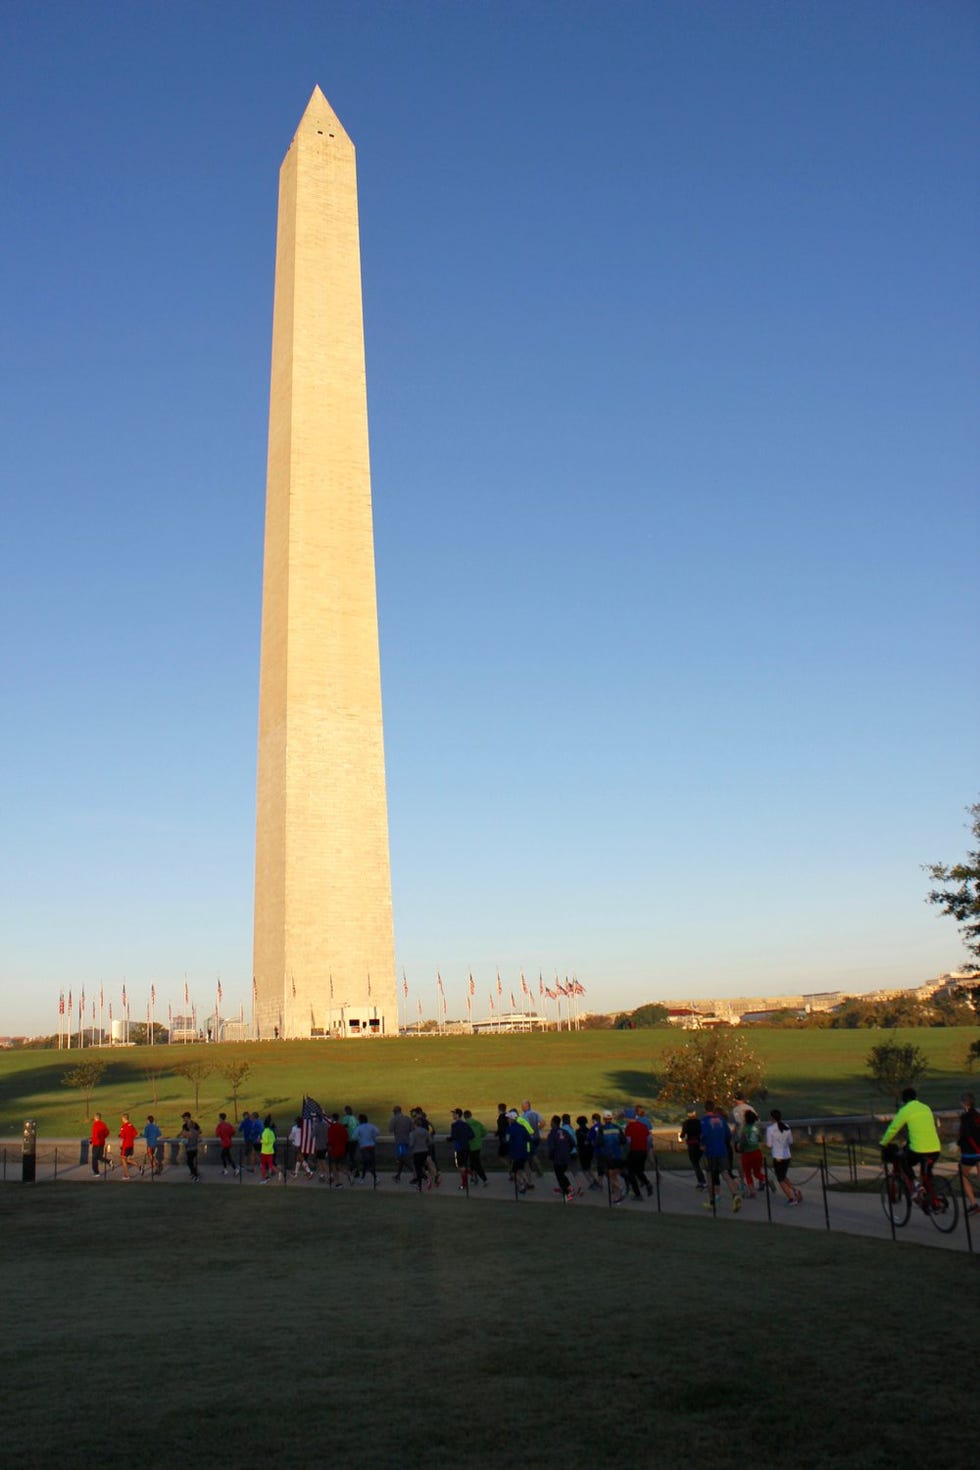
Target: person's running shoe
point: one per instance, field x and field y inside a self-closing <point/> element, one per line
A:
<point x="570" y="1197"/>
<point x="736" y="1203"/>
<point x="707" y="1204"/>
<point x="799" y="1196"/>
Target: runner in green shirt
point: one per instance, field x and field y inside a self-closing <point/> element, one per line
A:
<point x="476" y="1144"/>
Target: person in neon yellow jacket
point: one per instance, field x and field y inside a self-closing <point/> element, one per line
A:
<point x="920" y="1125"/>
<point x="267" y="1153"/>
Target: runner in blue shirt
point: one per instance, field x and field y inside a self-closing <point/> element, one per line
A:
<point x="151" y="1132"/>
<point x="716" y="1140"/>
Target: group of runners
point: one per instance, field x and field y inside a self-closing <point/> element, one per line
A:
<point x="603" y="1151"/>
<point x="714" y="1141"/>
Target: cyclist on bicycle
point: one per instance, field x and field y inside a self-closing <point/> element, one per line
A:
<point x="923" y="1145"/>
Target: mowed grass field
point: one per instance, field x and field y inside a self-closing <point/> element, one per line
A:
<point x="178" y="1327"/>
<point x="809" y="1073"/>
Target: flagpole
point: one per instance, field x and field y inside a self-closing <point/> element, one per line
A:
<point x="101" y="1007"/>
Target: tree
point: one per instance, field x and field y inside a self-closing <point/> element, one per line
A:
<point x="138" y="1033"/>
<point x="960" y="895"/>
<point x="892" y="1067"/>
<point x="86" y="1077"/>
<point x="154" y="1076"/>
<point x="649" y="1015"/>
<point x="595" y="1021"/>
<point x="710" y="1064"/>
<point x="195" y="1072"/>
<point x="235" y="1073"/>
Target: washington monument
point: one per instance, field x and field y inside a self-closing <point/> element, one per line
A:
<point x="324" y="945"/>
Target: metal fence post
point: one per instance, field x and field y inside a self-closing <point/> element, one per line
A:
<point x="823" y="1186"/>
<point x="891" y="1205"/>
<point x="966" y="1210"/>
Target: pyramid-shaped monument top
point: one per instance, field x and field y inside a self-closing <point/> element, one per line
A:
<point x="320" y="117"/>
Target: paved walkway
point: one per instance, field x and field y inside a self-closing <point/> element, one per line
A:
<point x="850" y="1213"/>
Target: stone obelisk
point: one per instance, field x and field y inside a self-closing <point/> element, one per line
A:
<point x="324" y="945"/>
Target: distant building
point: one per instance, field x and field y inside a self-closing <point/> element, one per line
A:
<point x="513" y="1021"/>
<point x="822" y="1000"/>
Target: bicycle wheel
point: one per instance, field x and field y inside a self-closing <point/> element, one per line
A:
<point x="895" y="1199"/>
<point x="946" y="1210"/>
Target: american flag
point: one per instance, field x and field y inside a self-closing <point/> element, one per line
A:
<point x="524" y="984"/>
<point x="220" y="993"/>
<point x="61" y="1004"/>
<point x="513" y="1002"/>
<point x="500" y="988"/>
<point x="153" y="995"/>
<point x="472" y="986"/>
<point x="312" y="1114"/>
<point x="404" y="985"/>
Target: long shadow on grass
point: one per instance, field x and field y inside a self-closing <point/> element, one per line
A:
<point x="25" y="1094"/>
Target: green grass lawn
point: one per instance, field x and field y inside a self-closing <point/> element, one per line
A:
<point x="808" y="1073"/>
<point x="300" y="1328"/>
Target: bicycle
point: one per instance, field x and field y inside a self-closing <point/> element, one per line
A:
<point x="935" y="1196"/>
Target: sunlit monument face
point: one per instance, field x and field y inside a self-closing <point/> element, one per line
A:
<point x="324" y="946"/>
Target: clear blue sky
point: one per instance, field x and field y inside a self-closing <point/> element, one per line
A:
<point x="672" y="333"/>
